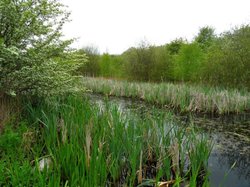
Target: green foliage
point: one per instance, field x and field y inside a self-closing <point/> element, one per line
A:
<point x="9" y="141"/>
<point x="209" y="59"/>
<point x="188" y="63"/>
<point x="105" y="65"/>
<point x="162" y="64"/>
<point x="91" y="67"/>
<point x="91" y="145"/>
<point x="18" y="149"/>
<point x="175" y="46"/>
<point x="112" y="66"/>
<point x="228" y="59"/>
<point x="117" y="66"/>
<point x="31" y="49"/>
<point x="139" y="61"/>
<point x="205" y="37"/>
<point x="129" y="57"/>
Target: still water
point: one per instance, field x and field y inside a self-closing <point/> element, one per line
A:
<point x="229" y="162"/>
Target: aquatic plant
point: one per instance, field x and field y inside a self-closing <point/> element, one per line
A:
<point x="185" y="98"/>
<point x="89" y="145"/>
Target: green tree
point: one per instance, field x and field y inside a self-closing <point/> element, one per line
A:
<point x="139" y="61"/>
<point x="162" y="64"/>
<point x="188" y="63"/>
<point x="228" y="62"/>
<point x="32" y="53"/>
<point x="105" y="65"/>
<point x="175" y="46"/>
<point x="205" y="37"/>
<point x="91" y="67"/>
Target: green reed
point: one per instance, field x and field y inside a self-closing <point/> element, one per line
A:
<point x="89" y="145"/>
<point x="185" y="98"/>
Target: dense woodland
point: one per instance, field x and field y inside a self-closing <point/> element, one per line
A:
<point x="217" y="60"/>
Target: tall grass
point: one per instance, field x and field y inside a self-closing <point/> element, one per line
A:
<point x="85" y="145"/>
<point x="178" y="96"/>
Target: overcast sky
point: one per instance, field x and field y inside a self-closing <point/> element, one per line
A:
<point x="115" y="25"/>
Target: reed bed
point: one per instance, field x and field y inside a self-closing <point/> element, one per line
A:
<point x="70" y="142"/>
<point x="185" y="98"/>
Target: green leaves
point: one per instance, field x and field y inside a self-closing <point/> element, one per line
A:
<point x="188" y="62"/>
<point x="227" y="61"/>
<point x="33" y="58"/>
<point x="205" y="37"/>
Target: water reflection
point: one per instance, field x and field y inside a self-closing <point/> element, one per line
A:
<point x="229" y="162"/>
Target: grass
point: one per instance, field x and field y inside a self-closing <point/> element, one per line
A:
<point x="184" y="98"/>
<point x="87" y="145"/>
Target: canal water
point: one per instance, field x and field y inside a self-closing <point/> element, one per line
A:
<point x="229" y="162"/>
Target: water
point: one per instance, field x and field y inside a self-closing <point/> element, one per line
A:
<point x="229" y="162"/>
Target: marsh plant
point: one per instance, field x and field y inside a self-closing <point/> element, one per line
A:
<point x="185" y="98"/>
<point x="81" y="144"/>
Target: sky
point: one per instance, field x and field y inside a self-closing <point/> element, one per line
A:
<point x="115" y="25"/>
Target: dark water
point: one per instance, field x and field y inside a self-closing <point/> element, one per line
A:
<point x="229" y="162"/>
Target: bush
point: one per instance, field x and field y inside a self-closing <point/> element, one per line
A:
<point x="31" y="50"/>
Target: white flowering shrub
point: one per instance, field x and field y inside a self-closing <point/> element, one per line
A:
<point x="34" y="60"/>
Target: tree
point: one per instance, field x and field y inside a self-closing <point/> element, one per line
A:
<point x="130" y="59"/>
<point x="34" y="60"/>
<point x="228" y="62"/>
<point x="139" y="61"/>
<point x="175" y="46"/>
<point x="188" y="63"/>
<point x="162" y="64"/>
<point x="205" y="37"/>
<point x="91" y="68"/>
<point x="105" y="65"/>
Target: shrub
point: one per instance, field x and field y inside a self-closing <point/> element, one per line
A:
<point x="31" y="49"/>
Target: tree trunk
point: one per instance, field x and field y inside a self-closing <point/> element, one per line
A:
<point x="9" y="109"/>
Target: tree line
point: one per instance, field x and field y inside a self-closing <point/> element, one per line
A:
<point x="217" y="60"/>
